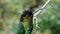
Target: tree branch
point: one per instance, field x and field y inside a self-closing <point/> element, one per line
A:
<point x="39" y="11"/>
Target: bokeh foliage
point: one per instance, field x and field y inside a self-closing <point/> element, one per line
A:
<point x="48" y="20"/>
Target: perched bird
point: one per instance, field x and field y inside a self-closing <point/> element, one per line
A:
<point x="26" y="22"/>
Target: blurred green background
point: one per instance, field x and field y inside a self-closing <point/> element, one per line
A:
<point x="11" y="10"/>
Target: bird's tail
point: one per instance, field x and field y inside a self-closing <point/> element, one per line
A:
<point x="19" y="28"/>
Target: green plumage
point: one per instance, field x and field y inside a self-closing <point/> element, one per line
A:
<point x="25" y="26"/>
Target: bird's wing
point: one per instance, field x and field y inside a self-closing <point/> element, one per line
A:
<point x="19" y="27"/>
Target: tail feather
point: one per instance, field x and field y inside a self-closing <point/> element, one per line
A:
<point x="19" y="28"/>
